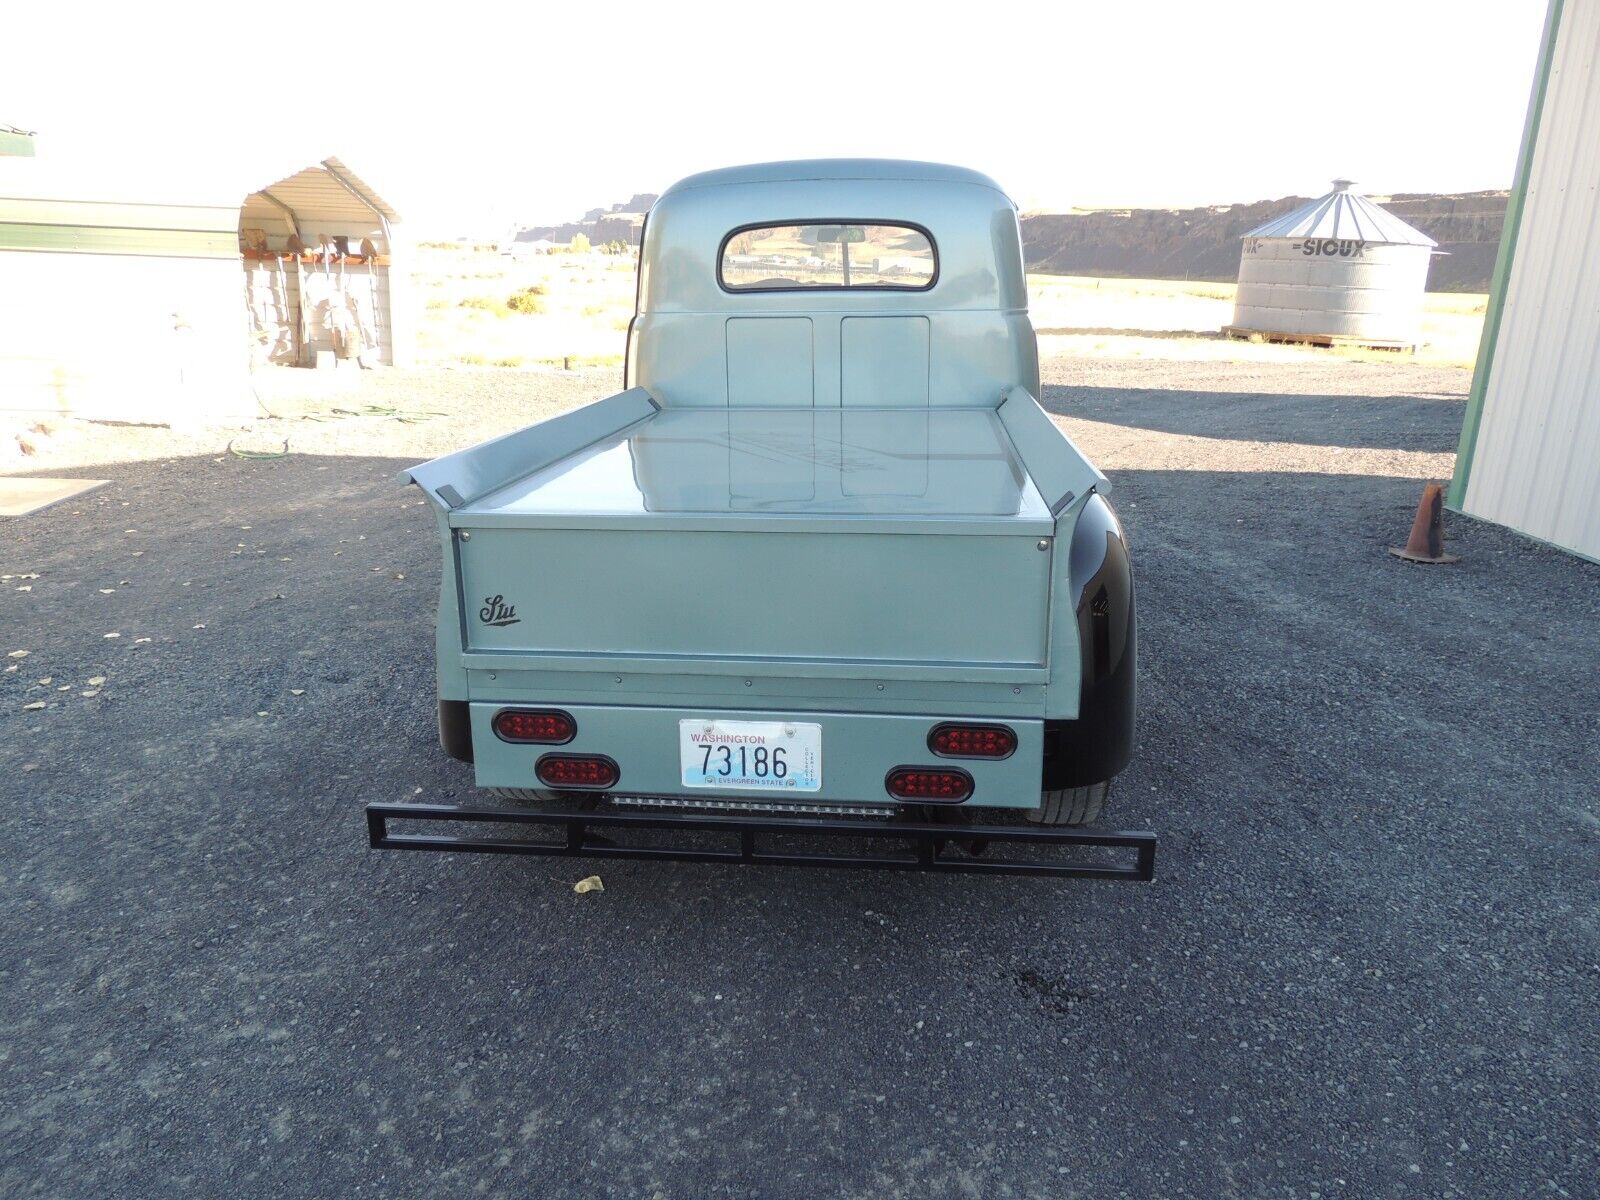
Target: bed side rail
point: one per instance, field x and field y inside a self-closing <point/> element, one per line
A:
<point x="1059" y="469"/>
<point x="467" y="475"/>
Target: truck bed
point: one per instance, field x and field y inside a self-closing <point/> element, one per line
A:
<point x="839" y="542"/>
<point x="946" y="470"/>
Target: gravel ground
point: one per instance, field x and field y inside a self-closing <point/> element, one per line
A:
<point x="406" y="414"/>
<point x="1369" y="966"/>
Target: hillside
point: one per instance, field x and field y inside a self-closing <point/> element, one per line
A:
<point x="1168" y="243"/>
<point x="1203" y="243"/>
<point x="620" y="223"/>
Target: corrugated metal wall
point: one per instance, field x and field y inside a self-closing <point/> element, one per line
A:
<point x="122" y="337"/>
<point x="120" y="310"/>
<point x="1535" y="463"/>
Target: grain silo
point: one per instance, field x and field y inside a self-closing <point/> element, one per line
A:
<point x="1337" y="270"/>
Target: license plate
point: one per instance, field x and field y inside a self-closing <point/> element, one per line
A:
<point x="766" y="756"/>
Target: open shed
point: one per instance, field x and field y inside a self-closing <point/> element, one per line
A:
<point x="318" y="249"/>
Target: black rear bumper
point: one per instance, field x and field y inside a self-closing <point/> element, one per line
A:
<point x="912" y="846"/>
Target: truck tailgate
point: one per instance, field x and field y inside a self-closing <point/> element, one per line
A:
<point x="863" y="535"/>
<point x="803" y="595"/>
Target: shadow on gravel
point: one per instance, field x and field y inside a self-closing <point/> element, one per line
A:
<point x="1205" y="335"/>
<point x="1370" y="940"/>
<point x="1401" y="422"/>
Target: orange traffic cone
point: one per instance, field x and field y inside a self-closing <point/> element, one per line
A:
<point x="1426" y="543"/>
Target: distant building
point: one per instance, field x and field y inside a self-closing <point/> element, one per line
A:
<point x="1336" y="270"/>
<point x="14" y="142"/>
<point x="520" y="247"/>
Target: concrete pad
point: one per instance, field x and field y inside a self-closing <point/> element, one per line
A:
<point x="20" y="495"/>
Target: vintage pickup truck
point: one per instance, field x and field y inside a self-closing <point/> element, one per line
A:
<point x="825" y="558"/>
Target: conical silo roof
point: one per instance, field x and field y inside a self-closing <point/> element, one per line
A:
<point x="1343" y="214"/>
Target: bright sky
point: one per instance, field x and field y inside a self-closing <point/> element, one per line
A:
<point x="468" y="116"/>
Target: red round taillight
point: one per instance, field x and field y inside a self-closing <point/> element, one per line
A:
<point x="549" y="726"/>
<point x="972" y="741"/>
<point x="929" y="783"/>
<point x="577" y="771"/>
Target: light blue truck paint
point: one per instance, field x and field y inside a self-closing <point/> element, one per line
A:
<point x="854" y="747"/>
<point x="834" y="505"/>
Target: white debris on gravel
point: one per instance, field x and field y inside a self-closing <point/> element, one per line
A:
<point x="475" y="405"/>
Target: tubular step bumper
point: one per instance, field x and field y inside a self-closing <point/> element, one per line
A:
<point x="923" y="846"/>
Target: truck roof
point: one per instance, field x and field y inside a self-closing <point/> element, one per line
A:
<point x="971" y="223"/>
<point x="835" y="169"/>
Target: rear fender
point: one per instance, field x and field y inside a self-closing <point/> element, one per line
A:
<point x="1099" y="743"/>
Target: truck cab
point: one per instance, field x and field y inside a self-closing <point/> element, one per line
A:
<point x="823" y="554"/>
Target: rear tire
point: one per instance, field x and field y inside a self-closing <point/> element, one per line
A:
<point x="1071" y="806"/>
<point x="550" y="800"/>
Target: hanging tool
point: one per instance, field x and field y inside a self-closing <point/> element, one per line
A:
<point x="298" y="248"/>
<point x="341" y="247"/>
<point x="370" y="253"/>
<point x="258" y="322"/>
<point x="325" y="298"/>
<point x="286" y="338"/>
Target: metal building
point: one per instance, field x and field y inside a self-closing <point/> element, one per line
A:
<point x="122" y="296"/>
<point x="1337" y="270"/>
<point x="1529" y="455"/>
<point x="119" y="296"/>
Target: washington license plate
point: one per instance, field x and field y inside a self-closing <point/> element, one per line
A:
<point x="767" y="756"/>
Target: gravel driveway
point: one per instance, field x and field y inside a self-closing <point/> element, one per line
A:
<point x="1369" y="967"/>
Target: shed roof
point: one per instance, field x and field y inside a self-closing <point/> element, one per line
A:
<point x="329" y="189"/>
<point x="316" y="188"/>
<point x="1343" y="214"/>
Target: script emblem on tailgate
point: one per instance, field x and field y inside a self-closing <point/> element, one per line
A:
<point x="496" y="611"/>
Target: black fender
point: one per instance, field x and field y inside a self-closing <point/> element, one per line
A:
<point x="1099" y="744"/>
<point x="455" y="729"/>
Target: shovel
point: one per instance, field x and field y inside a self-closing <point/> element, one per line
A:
<point x="298" y="248"/>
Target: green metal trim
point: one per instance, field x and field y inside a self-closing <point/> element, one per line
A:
<point x="100" y="239"/>
<point x="1468" y="445"/>
<point x="117" y="214"/>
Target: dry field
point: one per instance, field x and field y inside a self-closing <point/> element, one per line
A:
<point x="484" y="309"/>
<point x="504" y="342"/>
<point x="581" y="304"/>
<point x="1162" y="318"/>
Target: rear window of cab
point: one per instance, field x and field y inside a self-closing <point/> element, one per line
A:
<point x="824" y="255"/>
